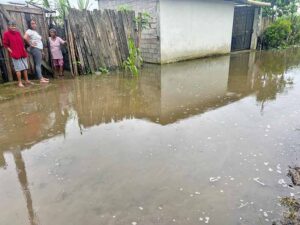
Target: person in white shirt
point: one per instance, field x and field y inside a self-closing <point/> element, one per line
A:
<point x="34" y="39"/>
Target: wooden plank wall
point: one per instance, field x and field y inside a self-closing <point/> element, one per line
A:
<point x="99" y="38"/>
<point x="21" y="15"/>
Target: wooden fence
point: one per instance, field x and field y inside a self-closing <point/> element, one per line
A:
<point x="96" y="39"/>
<point x="99" y="39"/>
<point x="21" y="15"/>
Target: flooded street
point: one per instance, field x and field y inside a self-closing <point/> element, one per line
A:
<point x="199" y="142"/>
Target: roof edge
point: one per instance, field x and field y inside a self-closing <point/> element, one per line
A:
<point x="255" y="2"/>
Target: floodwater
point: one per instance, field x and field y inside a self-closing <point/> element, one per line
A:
<point x="200" y="142"/>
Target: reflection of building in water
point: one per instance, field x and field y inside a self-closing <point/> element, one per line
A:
<point x="162" y="94"/>
<point x="168" y="93"/>
<point x="193" y="87"/>
<point x="117" y="97"/>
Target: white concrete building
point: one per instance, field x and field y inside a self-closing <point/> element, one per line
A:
<point x="188" y="29"/>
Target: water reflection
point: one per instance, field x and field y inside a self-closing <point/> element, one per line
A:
<point x="162" y="95"/>
<point x="22" y="177"/>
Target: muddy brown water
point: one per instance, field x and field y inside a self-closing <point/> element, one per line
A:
<point x="200" y="142"/>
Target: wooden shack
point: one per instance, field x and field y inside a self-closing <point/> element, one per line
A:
<point x="21" y="15"/>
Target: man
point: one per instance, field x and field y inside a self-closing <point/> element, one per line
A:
<point x="13" y="42"/>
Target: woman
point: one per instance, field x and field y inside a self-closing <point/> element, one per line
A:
<point x="13" y="42"/>
<point x="33" y="38"/>
<point x="55" y="47"/>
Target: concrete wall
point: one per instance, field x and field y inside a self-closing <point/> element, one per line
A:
<point x="150" y="43"/>
<point x="195" y="28"/>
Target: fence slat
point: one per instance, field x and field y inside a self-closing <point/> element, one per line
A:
<point x="100" y="38"/>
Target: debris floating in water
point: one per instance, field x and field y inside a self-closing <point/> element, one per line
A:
<point x="207" y="219"/>
<point x="258" y="181"/>
<point x="243" y="205"/>
<point x="278" y="169"/>
<point x="134" y="223"/>
<point x="141" y="208"/>
<point x="214" y="179"/>
<point x="283" y="183"/>
<point x="294" y="174"/>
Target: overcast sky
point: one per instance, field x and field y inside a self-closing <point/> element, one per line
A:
<point x="72" y="2"/>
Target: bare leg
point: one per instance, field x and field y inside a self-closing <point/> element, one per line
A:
<point x="61" y="70"/>
<point x="26" y="77"/>
<point x="19" y="79"/>
<point x="57" y="71"/>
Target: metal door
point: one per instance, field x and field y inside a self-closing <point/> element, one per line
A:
<point x="242" y="27"/>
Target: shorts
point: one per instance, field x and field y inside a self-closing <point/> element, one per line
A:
<point x="20" y="64"/>
<point x="57" y="62"/>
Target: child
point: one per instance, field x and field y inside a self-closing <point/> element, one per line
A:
<point x="13" y="42"/>
<point x="55" y="48"/>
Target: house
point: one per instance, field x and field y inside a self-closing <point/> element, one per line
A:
<point x="187" y="29"/>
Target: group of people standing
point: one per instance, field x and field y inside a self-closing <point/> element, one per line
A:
<point x="14" y="43"/>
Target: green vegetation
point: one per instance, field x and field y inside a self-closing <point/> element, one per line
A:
<point x="62" y="7"/>
<point x="281" y="8"/>
<point x="144" y="20"/>
<point x="83" y="4"/>
<point x="134" y="60"/>
<point x="277" y="35"/>
<point x="292" y="216"/>
<point x="44" y="3"/>
<point x="124" y="8"/>
<point x="285" y="31"/>
<point x="103" y="70"/>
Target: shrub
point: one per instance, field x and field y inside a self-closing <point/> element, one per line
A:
<point x="278" y="34"/>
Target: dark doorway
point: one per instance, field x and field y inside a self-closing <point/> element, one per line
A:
<point x="242" y="28"/>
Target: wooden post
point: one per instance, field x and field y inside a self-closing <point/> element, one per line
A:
<point x="139" y="30"/>
<point x="71" y="49"/>
<point x="68" y="46"/>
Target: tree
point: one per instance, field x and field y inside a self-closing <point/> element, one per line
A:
<point x="62" y="6"/>
<point x="44" y="3"/>
<point x="281" y="8"/>
<point x="83" y="4"/>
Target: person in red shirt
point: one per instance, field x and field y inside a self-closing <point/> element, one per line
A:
<point x="13" y="42"/>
